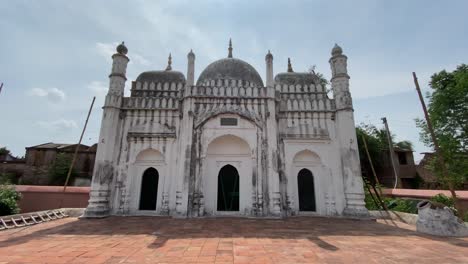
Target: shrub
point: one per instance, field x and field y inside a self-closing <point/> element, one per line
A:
<point x="9" y="198"/>
<point x="441" y="198"/>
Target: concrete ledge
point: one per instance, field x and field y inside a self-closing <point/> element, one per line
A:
<point x="406" y="218"/>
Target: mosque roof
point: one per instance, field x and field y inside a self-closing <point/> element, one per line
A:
<point x="166" y="76"/>
<point x="292" y="78"/>
<point x="230" y="69"/>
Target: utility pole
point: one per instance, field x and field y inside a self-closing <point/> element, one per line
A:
<point x="390" y="147"/>
<point x="436" y="142"/>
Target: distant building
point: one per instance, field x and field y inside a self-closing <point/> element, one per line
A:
<point x="40" y="158"/>
<point x="12" y="166"/>
<point x="405" y="167"/>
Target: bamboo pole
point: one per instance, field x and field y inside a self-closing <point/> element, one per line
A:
<point x="370" y="160"/>
<point x="392" y="153"/>
<point x="439" y="155"/>
<point x="78" y="146"/>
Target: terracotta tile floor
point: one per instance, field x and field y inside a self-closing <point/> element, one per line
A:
<point x="226" y="240"/>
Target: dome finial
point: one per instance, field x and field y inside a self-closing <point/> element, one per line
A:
<point x="337" y="50"/>
<point x="121" y="49"/>
<point x="230" y="49"/>
<point x="169" y="62"/>
<point x="290" y="69"/>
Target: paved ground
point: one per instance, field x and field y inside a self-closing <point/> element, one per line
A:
<point x="226" y="240"/>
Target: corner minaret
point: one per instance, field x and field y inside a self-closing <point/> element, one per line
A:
<point x="109" y="144"/>
<point x="346" y="134"/>
<point x="340" y="79"/>
<point x="191" y="68"/>
<point x="269" y="69"/>
<point x="119" y="70"/>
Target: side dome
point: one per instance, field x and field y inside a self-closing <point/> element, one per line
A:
<point x="293" y="78"/>
<point x="230" y="69"/>
<point x="161" y="77"/>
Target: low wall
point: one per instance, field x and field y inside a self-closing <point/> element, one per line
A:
<point x="39" y="198"/>
<point x="427" y="194"/>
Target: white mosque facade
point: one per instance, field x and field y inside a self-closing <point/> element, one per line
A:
<point x="228" y="144"/>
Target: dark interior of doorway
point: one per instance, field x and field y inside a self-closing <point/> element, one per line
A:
<point x="305" y="182"/>
<point x="149" y="189"/>
<point x="228" y="189"/>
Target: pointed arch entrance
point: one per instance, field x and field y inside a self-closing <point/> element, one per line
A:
<point x="306" y="191"/>
<point x="228" y="189"/>
<point x="149" y="189"/>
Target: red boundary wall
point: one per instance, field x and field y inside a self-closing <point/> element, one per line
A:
<point x="38" y="198"/>
<point x="427" y="194"/>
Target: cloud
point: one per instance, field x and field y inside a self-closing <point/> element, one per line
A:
<point x="52" y="94"/>
<point x="58" y="125"/>
<point x="106" y="50"/>
<point x="98" y="88"/>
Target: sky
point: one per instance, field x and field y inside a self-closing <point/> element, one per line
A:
<point x="56" y="55"/>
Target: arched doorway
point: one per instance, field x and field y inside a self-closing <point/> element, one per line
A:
<point x="305" y="184"/>
<point x="149" y="189"/>
<point x="228" y="189"/>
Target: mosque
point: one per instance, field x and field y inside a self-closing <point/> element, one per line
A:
<point x="227" y="144"/>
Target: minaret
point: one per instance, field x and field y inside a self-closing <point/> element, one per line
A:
<point x="269" y="69"/>
<point x="191" y="68"/>
<point x="119" y="70"/>
<point x="346" y="135"/>
<point x="105" y="167"/>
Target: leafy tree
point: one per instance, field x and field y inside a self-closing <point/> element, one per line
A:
<point x="448" y="112"/>
<point x="377" y="144"/>
<point x="321" y="79"/>
<point x="4" y="151"/>
<point x="59" y="170"/>
<point x="9" y="198"/>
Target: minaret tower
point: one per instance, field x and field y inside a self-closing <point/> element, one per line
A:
<point x="191" y="68"/>
<point x="346" y="134"/>
<point x="105" y="167"/>
<point x="269" y="69"/>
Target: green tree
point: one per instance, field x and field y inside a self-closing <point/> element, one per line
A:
<point x="448" y="112"/>
<point x="377" y="144"/>
<point x="59" y="169"/>
<point x="4" y="151"/>
<point x="9" y="198"/>
<point x="320" y="77"/>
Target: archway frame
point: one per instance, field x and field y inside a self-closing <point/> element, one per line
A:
<point x="244" y="162"/>
<point x="310" y="160"/>
<point x="145" y="159"/>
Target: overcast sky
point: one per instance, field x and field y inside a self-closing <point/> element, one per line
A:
<point x="55" y="55"/>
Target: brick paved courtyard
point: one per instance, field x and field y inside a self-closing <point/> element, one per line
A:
<point x="226" y="240"/>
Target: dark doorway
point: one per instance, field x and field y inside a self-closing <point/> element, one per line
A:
<point x="149" y="189"/>
<point x="305" y="184"/>
<point x="228" y="189"/>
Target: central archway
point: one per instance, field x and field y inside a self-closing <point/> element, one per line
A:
<point x="228" y="189"/>
<point x="149" y="189"/>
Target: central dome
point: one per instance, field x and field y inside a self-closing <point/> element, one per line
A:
<point x="230" y="69"/>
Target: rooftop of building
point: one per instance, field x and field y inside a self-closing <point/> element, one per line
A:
<point x="225" y="240"/>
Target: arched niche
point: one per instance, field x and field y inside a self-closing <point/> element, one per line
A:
<point x="149" y="156"/>
<point x="306" y="157"/>
<point x="229" y="145"/>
